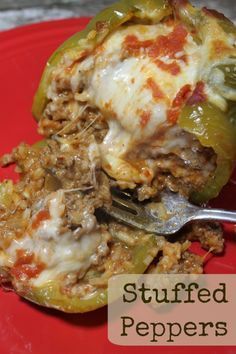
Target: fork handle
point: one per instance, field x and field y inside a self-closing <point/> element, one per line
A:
<point x="215" y="215"/>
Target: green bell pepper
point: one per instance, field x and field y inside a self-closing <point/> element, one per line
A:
<point x="214" y="129"/>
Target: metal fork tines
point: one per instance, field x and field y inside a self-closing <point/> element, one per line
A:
<point x="165" y="217"/>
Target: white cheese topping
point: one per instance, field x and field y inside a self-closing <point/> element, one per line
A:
<point x="117" y="85"/>
<point x="60" y="251"/>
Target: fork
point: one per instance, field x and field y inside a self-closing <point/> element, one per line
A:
<point x="165" y="217"/>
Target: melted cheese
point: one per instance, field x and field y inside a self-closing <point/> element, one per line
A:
<point x="135" y="78"/>
<point x="60" y="251"/>
<point x="119" y="85"/>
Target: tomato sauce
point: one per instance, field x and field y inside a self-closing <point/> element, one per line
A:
<point x="134" y="46"/>
<point x="145" y="118"/>
<point x="26" y="266"/>
<point x="171" y="44"/>
<point x="41" y="216"/>
<point x="167" y="46"/>
<point x="156" y="90"/>
<point x="180" y="99"/>
<point x="172" y="68"/>
<point x="214" y="13"/>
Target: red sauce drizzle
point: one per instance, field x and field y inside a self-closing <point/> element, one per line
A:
<point x="180" y="99"/>
<point x="170" y="21"/>
<point x="41" y="216"/>
<point x="198" y="94"/>
<point x="168" y="45"/>
<point x="23" y="257"/>
<point x="145" y="118"/>
<point x="24" y="267"/>
<point x="171" y="44"/>
<point x="172" y="68"/>
<point x="156" y="90"/>
<point x="133" y="45"/>
<point x="27" y="271"/>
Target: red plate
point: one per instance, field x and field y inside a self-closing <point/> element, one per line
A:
<point x="26" y="328"/>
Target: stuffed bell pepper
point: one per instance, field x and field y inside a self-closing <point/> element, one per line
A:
<point x="142" y="100"/>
